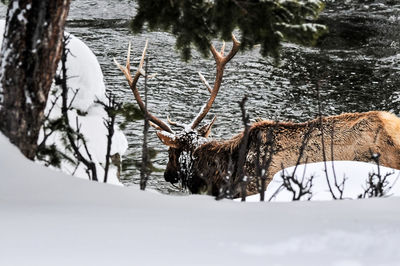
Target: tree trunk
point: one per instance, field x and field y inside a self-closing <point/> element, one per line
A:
<point x="29" y="57"/>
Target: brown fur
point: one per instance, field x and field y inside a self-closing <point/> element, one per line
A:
<point x="356" y="135"/>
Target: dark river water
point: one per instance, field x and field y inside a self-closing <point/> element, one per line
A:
<point x="357" y="65"/>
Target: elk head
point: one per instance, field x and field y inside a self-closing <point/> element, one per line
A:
<point x="184" y="142"/>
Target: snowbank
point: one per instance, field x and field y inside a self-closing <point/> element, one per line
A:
<point x="86" y="77"/>
<point x="356" y="174"/>
<point x="48" y="218"/>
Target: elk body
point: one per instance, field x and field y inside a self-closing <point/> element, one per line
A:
<point x="212" y="167"/>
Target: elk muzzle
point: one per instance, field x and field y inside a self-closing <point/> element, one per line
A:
<point x="171" y="173"/>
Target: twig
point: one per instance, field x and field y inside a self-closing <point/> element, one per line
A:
<point x="46" y="119"/>
<point x="339" y="186"/>
<point x="304" y="186"/>
<point x="376" y="184"/>
<point x="321" y="126"/>
<point x="64" y="110"/>
<point x="111" y="108"/>
<point x="262" y="169"/>
<point x="73" y="98"/>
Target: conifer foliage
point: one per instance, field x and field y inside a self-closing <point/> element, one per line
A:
<point x="264" y="22"/>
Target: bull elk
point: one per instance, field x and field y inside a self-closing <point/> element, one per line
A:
<point x="205" y="164"/>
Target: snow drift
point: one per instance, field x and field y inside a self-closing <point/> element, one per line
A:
<point x="48" y="218"/>
<point x="355" y="173"/>
<point x="86" y="78"/>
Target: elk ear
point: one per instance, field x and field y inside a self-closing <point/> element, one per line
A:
<point x="168" y="139"/>
<point x="205" y="131"/>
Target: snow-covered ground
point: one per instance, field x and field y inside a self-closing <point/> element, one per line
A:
<point x="48" y="218"/>
<point x="355" y="174"/>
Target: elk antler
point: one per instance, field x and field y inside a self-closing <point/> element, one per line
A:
<point x="220" y="61"/>
<point x="206" y="129"/>
<point x="175" y="123"/>
<point x="132" y="84"/>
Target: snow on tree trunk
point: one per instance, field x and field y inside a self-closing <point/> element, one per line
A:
<point x="29" y="57"/>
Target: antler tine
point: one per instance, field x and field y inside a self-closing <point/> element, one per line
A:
<point x="125" y="71"/>
<point x="222" y="48"/>
<point x="175" y="123"/>
<point x="128" y="58"/>
<point x="132" y="84"/>
<point x="205" y="130"/>
<point x="205" y="82"/>
<point x="209" y="126"/>
<point x="220" y="61"/>
<point x="220" y="58"/>
<point x="140" y="68"/>
<point x="155" y="126"/>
